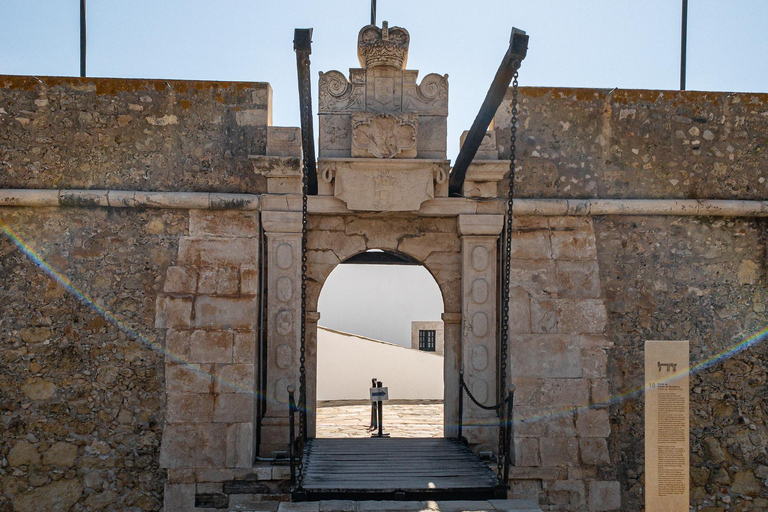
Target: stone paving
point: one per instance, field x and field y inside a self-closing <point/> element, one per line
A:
<point x="393" y="506"/>
<point x="401" y="419"/>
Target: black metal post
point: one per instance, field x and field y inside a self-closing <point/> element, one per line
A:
<point x="381" y="412"/>
<point x="518" y="48"/>
<point x="292" y="427"/>
<point x="461" y="405"/>
<point x="683" y="45"/>
<point x="509" y="456"/>
<point x="373" y="12"/>
<point x="82" y="38"/>
<point x="302" y="45"/>
<point x="374" y="418"/>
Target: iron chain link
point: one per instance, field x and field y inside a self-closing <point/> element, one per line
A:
<point x="507" y="253"/>
<point x="305" y="92"/>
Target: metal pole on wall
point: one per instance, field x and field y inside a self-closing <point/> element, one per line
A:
<point x="373" y="12"/>
<point x="82" y="38"/>
<point x="683" y="44"/>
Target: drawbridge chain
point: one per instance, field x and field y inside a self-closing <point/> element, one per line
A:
<point x="504" y="455"/>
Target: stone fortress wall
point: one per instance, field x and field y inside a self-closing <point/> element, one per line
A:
<point x="85" y="406"/>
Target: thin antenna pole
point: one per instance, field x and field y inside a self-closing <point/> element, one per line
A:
<point x="373" y="12"/>
<point x="683" y="45"/>
<point x="82" y="38"/>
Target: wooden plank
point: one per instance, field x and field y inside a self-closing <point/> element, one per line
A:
<point x="393" y="465"/>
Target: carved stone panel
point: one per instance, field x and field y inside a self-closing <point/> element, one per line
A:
<point x="337" y="94"/>
<point x="383" y="90"/>
<point x="429" y="97"/>
<point x="366" y="185"/>
<point x="384" y="135"/>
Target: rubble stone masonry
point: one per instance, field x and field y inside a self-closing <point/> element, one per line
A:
<point x="98" y="304"/>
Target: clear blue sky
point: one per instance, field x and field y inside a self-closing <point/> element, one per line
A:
<point x="573" y="43"/>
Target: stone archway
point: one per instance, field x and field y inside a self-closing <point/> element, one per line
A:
<point x="433" y="242"/>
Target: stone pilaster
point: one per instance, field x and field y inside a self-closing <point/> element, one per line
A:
<point x="283" y="233"/>
<point x="312" y="318"/>
<point x="479" y="235"/>
<point x="452" y="364"/>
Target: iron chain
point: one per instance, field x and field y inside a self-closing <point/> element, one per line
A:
<point x="507" y="253"/>
<point x="303" y="345"/>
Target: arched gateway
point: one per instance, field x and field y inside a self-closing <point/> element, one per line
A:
<point x="382" y="182"/>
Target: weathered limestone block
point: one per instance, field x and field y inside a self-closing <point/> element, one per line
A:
<point x="593" y="423"/>
<point x="182" y="280"/>
<point x="219" y="281"/>
<point x="234" y="378"/>
<point x="559" y="451"/>
<point x="545" y="355"/>
<point x="594" y="451"/>
<point x="173" y="312"/>
<point x="179" y="497"/>
<point x="594" y="363"/>
<point x="531" y="238"/>
<point x="578" y="279"/>
<point x="182" y="378"/>
<point x="189" y="408"/>
<point x="483" y="177"/>
<point x="240" y="444"/>
<point x="573" y="238"/>
<point x="527" y="451"/>
<point x="551" y="393"/>
<point x="211" y="346"/>
<point x="537" y="277"/>
<point x="581" y="316"/>
<point x="201" y="445"/>
<point x="604" y="496"/>
<point x="283" y="141"/>
<point x="244" y="348"/>
<point x="177" y="343"/>
<point x="249" y="280"/>
<point x="211" y="251"/>
<point x="574" y="493"/>
<point x="223" y="223"/>
<point x="225" y="312"/>
<point x="233" y="408"/>
<point x="283" y="173"/>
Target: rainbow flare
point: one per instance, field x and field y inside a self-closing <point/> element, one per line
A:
<point x="81" y="295"/>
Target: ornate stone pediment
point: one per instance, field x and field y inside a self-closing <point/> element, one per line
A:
<point x="384" y="135"/>
<point x="367" y="185"/>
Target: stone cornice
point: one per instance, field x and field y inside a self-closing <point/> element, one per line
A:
<point x="450" y="206"/>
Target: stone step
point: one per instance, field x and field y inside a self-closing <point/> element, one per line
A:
<point x="391" y="506"/>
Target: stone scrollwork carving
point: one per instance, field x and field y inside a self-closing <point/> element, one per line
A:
<point x="431" y="96"/>
<point x="336" y="93"/>
<point x="384" y="135"/>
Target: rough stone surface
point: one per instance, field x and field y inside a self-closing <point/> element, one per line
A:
<point x="102" y="133"/>
<point x="584" y="143"/>
<point x="668" y="278"/>
<point x="106" y="414"/>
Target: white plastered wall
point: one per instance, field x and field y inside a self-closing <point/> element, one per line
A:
<point x="346" y="363"/>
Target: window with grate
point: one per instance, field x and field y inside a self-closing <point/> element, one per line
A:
<point x="427" y="341"/>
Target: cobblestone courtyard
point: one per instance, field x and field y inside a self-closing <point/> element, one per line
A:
<point x="410" y="419"/>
